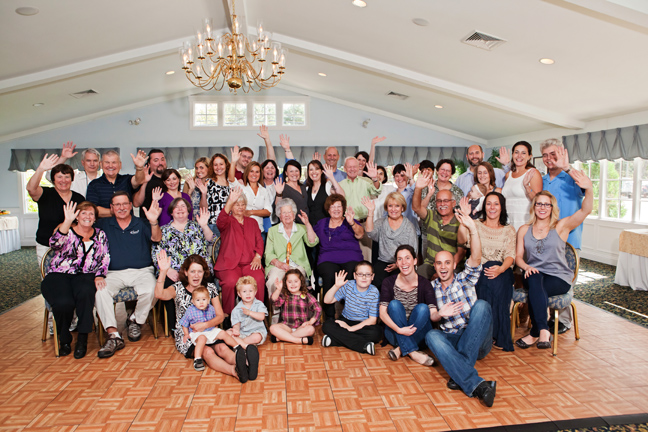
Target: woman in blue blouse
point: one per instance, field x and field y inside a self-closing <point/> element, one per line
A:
<point x="76" y="271"/>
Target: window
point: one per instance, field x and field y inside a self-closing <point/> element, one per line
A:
<point x="248" y="112"/>
<point x="294" y="114"/>
<point x="29" y="205"/>
<point x="620" y="189"/>
<point x="206" y="114"/>
<point x="265" y="114"/>
<point x="235" y="114"/>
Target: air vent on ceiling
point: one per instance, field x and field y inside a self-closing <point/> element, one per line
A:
<point x="397" y="95"/>
<point x="84" y="93"/>
<point x="483" y="41"/>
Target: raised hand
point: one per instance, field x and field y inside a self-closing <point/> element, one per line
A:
<point x="317" y="156"/>
<point x="203" y="217"/>
<point x="581" y="179"/>
<point x="303" y="217"/>
<point x="70" y="212"/>
<point x="263" y="132"/>
<point x="284" y="142"/>
<point x="376" y="140"/>
<point x="235" y="194"/>
<point x="164" y="262"/>
<point x="423" y="180"/>
<point x="504" y="156"/>
<point x="562" y="158"/>
<point x="278" y="284"/>
<point x="153" y="213"/>
<point x="202" y="186"/>
<point x="409" y="170"/>
<point x="465" y="220"/>
<point x="451" y="309"/>
<point x="140" y="159"/>
<point x="156" y="194"/>
<point x="369" y="203"/>
<point x="349" y="215"/>
<point x="340" y="278"/>
<point x="48" y="162"/>
<point x="464" y="205"/>
<point x="372" y="171"/>
<point x="191" y="184"/>
<point x="68" y="150"/>
<point x="236" y="154"/>
<point x="279" y="185"/>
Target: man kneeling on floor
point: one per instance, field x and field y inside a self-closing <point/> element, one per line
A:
<point x="466" y="327"/>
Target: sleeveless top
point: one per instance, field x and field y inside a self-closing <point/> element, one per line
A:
<point x="316" y="210"/>
<point x="517" y="204"/>
<point x="547" y="255"/>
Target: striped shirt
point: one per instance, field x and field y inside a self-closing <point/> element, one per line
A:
<point x="462" y="289"/>
<point x="358" y="306"/>
<point x="439" y="237"/>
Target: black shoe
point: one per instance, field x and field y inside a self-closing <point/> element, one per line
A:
<point x="485" y="391"/>
<point x="273" y="338"/>
<point x="309" y="340"/>
<point x="199" y="365"/>
<point x="452" y="385"/>
<point x="65" y="349"/>
<point x="252" y="353"/>
<point x="80" y="350"/>
<point x="562" y="328"/>
<point x="241" y="365"/>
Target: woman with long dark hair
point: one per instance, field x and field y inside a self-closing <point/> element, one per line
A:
<point x="523" y="182"/>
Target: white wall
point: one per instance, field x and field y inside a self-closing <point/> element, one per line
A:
<point x="167" y="125"/>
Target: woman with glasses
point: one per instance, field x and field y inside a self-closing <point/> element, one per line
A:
<point x="523" y="182"/>
<point x="540" y="253"/>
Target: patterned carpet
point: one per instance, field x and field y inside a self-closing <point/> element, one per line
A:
<point x="19" y="278"/>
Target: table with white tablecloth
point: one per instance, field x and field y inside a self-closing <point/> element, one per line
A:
<point x="9" y="234"/>
<point x="632" y="265"/>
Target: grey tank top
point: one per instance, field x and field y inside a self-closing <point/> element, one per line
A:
<point x="548" y="255"/>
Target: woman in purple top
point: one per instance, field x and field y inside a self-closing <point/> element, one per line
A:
<point x="171" y="191"/>
<point x="76" y="271"/>
<point x="339" y="247"/>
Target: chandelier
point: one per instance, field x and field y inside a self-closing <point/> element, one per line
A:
<point x="214" y="60"/>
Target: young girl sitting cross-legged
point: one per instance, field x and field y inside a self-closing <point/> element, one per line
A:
<point x="357" y="328"/>
<point x="300" y="311"/>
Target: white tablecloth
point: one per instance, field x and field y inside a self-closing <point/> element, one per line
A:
<point x="9" y="234"/>
<point x="632" y="271"/>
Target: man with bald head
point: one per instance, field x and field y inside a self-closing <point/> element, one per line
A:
<point x="465" y="332"/>
<point x="440" y="226"/>
<point x="475" y="155"/>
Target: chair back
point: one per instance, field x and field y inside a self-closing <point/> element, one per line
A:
<point x="573" y="260"/>
<point x="44" y="264"/>
<point x="215" y="248"/>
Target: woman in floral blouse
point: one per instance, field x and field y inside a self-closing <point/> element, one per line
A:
<point x="76" y="271"/>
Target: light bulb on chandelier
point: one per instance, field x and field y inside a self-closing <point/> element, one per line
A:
<point x="215" y="60"/>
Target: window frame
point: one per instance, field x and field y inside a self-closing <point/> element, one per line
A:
<point x="250" y="101"/>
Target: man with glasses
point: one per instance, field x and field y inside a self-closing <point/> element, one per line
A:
<point x="439" y="226"/>
<point x="245" y="157"/>
<point x="129" y="242"/>
<point x="569" y="195"/>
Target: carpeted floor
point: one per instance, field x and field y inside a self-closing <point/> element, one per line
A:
<point x="19" y="279"/>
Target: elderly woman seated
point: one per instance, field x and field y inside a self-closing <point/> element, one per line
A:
<point x="286" y="244"/>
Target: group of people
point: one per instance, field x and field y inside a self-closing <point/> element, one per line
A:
<point x="431" y="260"/>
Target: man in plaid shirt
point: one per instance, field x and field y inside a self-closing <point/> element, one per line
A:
<point x="466" y="327"/>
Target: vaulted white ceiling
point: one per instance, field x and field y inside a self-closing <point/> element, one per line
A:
<point x="122" y="49"/>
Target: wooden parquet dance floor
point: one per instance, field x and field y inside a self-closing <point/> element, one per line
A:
<point x="149" y="386"/>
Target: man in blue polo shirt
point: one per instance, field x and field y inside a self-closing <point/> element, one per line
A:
<point x="129" y="241"/>
<point x="569" y="195"/>
<point x="101" y="190"/>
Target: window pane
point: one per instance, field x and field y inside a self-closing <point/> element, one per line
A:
<point x="235" y="114"/>
<point x="205" y="114"/>
<point x="294" y="114"/>
<point x="265" y="114"/>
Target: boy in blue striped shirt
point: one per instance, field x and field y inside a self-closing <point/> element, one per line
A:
<point x="357" y="328"/>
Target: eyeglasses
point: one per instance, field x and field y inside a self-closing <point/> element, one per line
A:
<point x="547" y="205"/>
<point x="364" y="275"/>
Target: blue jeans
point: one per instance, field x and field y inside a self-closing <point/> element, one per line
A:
<point x="459" y="351"/>
<point x="419" y="318"/>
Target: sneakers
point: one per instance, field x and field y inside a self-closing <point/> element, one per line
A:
<point x="240" y="367"/>
<point x="326" y="341"/>
<point x="112" y="345"/>
<point x="134" y="331"/>
<point x="370" y="348"/>
<point x="485" y="391"/>
<point x="199" y="365"/>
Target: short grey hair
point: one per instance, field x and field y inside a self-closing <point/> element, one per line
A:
<point x="551" y="142"/>
<point x="111" y="153"/>
<point x="242" y="198"/>
<point x="348" y="159"/>
<point x="283" y="202"/>
<point x="91" y="151"/>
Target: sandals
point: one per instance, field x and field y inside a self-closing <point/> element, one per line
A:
<point x="309" y="340"/>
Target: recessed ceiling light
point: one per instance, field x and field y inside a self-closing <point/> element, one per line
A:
<point x="170" y="72"/>
<point x="359" y="3"/>
<point x="321" y="74"/>
<point x="39" y="104"/>
<point x="421" y="22"/>
<point x="438" y="106"/>
<point x="547" y="61"/>
<point x="27" y="11"/>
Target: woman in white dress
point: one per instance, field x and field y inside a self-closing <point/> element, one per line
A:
<point x="523" y="182"/>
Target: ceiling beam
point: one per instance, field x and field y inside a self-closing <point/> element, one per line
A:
<point x="382" y="68"/>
